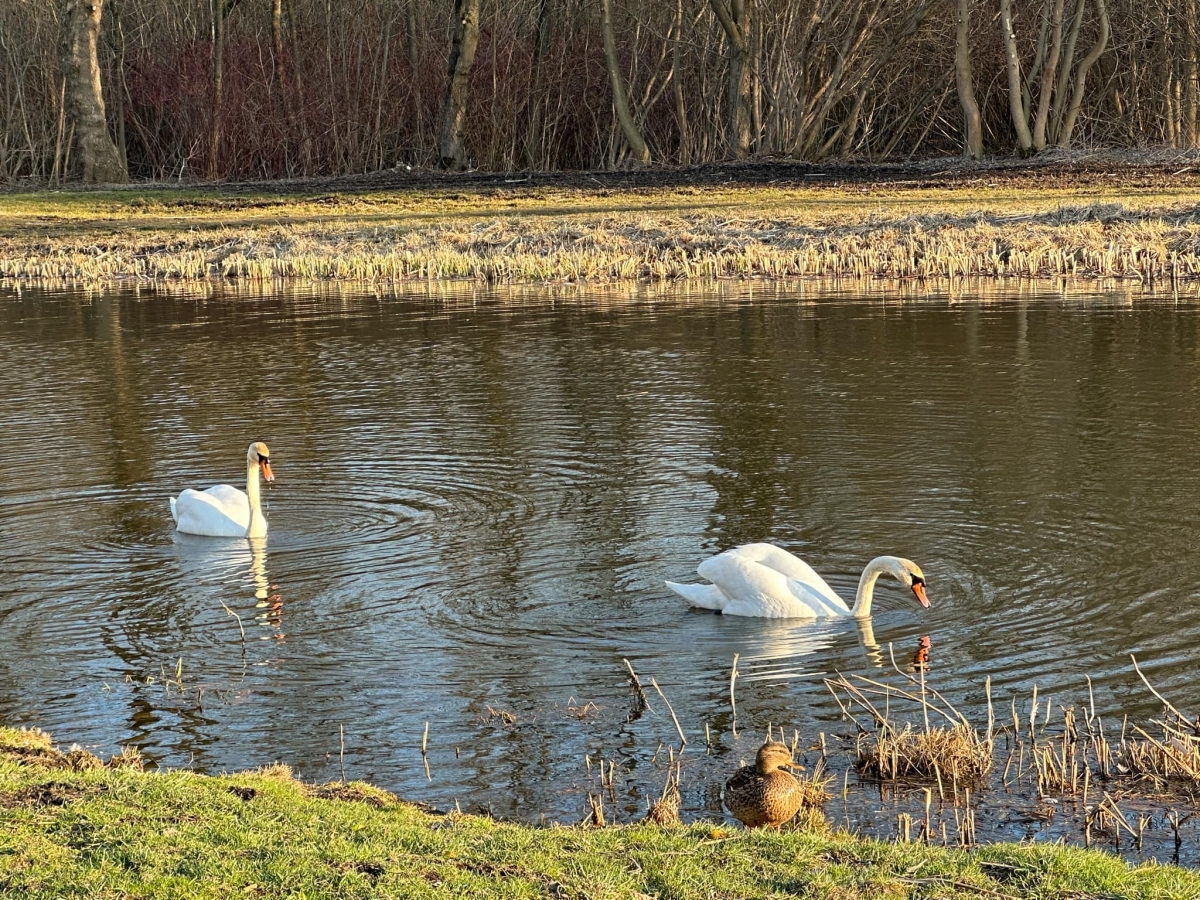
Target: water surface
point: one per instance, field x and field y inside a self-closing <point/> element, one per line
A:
<point x="479" y="495"/>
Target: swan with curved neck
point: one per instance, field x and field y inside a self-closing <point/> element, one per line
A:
<point x="223" y="510"/>
<point x="765" y="580"/>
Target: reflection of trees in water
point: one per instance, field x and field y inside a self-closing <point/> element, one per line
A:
<point x="758" y="426"/>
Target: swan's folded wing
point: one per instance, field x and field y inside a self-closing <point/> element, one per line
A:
<point x="217" y="513"/>
<point x="793" y="568"/>
<point x="228" y="497"/>
<point x="756" y="590"/>
<point x="820" y="604"/>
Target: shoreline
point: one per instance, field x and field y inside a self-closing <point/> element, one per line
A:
<point x="76" y="826"/>
<point x="1138" y="224"/>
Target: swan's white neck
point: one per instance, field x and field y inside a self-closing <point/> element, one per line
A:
<point x="880" y="565"/>
<point x="258" y="523"/>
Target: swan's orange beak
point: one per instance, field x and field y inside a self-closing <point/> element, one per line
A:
<point x="267" y="474"/>
<point x="918" y="588"/>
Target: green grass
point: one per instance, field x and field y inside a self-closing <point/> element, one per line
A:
<point x="540" y="235"/>
<point x="71" y="828"/>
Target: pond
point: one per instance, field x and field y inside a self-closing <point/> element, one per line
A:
<point x="479" y="495"/>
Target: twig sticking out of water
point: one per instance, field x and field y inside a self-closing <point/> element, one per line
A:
<point x="241" y="627"/>
<point x="342" y="750"/>
<point x="424" y="751"/>
<point x="1176" y="820"/>
<point x="966" y="829"/>
<point x="642" y="701"/>
<point x="682" y="739"/>
<point x="733" y="674"/>
<point x="928" y="825"/>
<point x="1165" y="702"/>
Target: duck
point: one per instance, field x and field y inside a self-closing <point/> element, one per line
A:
<point x="766" y="794"/>
<point x="768" y="581"/>
<point x="223" y="510"/>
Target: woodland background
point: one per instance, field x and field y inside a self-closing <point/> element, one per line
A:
<point x="278" y="88"/>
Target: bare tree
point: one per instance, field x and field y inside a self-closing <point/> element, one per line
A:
<point x="972" y="120"/>
<point x="99" y="159"/>
<point x="629" y="128"/>
<point x="533" y="121"/>
<point x="1017" y="107"/>
<point x="1063" y="131"/>
<point x="217" y="59"/>
<point x="735" y="19"/>
<point x="451" y="151"/>
<point x="1059" y="96"/>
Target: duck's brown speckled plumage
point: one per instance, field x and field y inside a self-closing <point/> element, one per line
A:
<point x="765" y="793"/>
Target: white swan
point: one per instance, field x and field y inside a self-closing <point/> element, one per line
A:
<point x="764" y="580"/>
<point x="224" y="511"/>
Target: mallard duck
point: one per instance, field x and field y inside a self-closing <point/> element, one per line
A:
<point x="764" y="793"/>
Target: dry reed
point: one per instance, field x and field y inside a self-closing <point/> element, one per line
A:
<point x="955" y="754"/>
<point x="1101" y="240"/>
<point x="1175" y="755"/>
<point x="950" y="752"/>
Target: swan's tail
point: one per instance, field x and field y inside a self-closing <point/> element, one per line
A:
<point x="705" y="596"/>
<point x="174" y="515"/>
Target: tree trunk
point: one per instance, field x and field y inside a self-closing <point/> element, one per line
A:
<point x="1016" y="103"/>
<point x="1047" y="81"/>
<point x="218" y="53"/>
<point x="119" y="88"/>
<point x="972" y="121"/>
<point x="1192" y="69"/>
<point x="280" y="77"/>
<point x="297" y="106"/>
<point x="685" y="144"/>
<point x="383" y="91"/>
<point x="451" y="152"/>
<point x="537" y="90"/>
<point x="412" y="26"/>
<point x="1081" y="75"/>
<point x="99" y="159"/>
<point x="633" y="136"/>
<point x="734" y="17"/>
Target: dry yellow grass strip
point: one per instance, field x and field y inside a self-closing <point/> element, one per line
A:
<point x="644" y="235"/>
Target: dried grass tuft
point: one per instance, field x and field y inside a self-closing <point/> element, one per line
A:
<point x="957" y="753"/>
<point x="951" y="750"/>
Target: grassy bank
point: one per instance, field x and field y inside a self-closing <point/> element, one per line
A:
<point x="1009" y="224"/>
<point x="71" y="826"/>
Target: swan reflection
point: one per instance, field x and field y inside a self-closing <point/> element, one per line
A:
<point x="782" y="649"/>
<point x="238" y="568"/>
<point x="266" y="595"/>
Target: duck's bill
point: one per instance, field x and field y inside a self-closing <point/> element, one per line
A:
<point x="919" y="590"/>
<point x="270" y="476"/>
